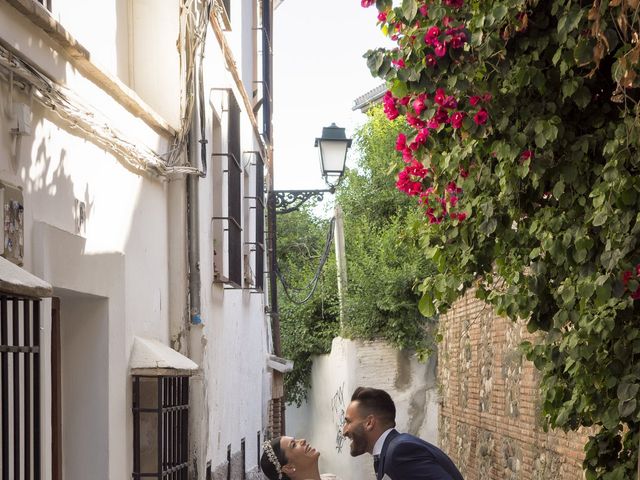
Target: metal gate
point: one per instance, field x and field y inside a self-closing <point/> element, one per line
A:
<point x="20" y="387"/>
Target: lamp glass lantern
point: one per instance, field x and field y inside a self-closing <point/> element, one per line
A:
<point x="332" y="149"/>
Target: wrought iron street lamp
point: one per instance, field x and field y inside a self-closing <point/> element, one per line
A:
<point x="332" y="150"/>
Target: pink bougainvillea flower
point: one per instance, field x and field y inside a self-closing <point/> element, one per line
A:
<point x="418" y="104"/>
<point x="440" y="49"/>
<point x="481" y="117"/>
<point x="389" y="106"/>
<point x="456" y="119"/>
<point x="463" y="173"/>
<point x="433" y="124"/>
<point x="526" y="155"/>
<point x="454" y="3"/>
<point x="431" y="37"/>
<point x="424" y="10"/>
<point x="450" y="102"/>
<point x="430" y="60"/>
<point x="440" y="96"/>
<point x="367" y="3"/>
<point x="415" y="122"/>
<point x="417" y="169"/>
<point x="453" y="188"/>
<point x="398" y="63"/>
<point x="401" y="141"/>
<point x="627" y="275"/>
<point x="404" y="100"/>
<point x="461" y="216"/>
<point x="382" y="17"/>
<point x="407" y="185"/>
<point x="407" y="155"/>
<point x="474" y="100"/>
<point x="458" y="40"/>
<point x="441" y="116"/>
<point x="422" y="136"/>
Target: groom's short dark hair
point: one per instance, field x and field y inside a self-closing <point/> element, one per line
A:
<point x="377" y="402"/>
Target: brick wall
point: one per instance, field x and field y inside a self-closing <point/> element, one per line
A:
<point x="489" y="417"/>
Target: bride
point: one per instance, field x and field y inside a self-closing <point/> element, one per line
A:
<point x="288" y="458"/>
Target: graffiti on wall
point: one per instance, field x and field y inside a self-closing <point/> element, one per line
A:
<point x="338" y="410"/>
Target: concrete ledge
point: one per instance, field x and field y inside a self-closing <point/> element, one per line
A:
<point x="81" y="59"/>
<point x="17" y="281"/>
<point x="153" y="358"/>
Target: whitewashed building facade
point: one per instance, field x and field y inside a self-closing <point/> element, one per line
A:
<point x="134" y="158"/>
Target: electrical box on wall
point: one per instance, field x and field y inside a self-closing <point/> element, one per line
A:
<point x="12" y="236"/>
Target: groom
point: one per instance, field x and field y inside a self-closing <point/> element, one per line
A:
<point x="369" y="422"/>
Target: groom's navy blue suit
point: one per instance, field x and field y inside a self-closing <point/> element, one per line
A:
<point x="405" y="457"/>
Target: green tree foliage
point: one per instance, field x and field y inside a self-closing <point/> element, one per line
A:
<point x="522" y="150"/>
<point x="383" y="263"/>
<point x="308" y="328"/>
<point x="383" y="254"/>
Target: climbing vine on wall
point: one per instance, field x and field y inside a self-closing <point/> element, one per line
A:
<point x="521" y="148"/>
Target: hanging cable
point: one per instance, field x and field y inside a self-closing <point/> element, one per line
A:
<point x="313" y="284"/>
<point x="76" y="114"/>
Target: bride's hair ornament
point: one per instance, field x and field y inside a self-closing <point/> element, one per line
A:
<point x="273" y="458"/>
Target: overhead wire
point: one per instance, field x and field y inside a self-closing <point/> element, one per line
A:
<point x="78" y="115"/>
<point x="313" y="283"/>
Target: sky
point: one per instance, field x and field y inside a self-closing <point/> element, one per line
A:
<point x="318" y="71"/>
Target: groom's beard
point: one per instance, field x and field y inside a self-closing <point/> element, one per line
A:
<point x="358" y="441"/>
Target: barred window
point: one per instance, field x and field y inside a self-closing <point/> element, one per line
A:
<point x="227" y="178"/>
<point x="259" y="224"/>
<point x="234" y="199"/>
<point x="160" y="427"/>
<point x="20" y="383"/>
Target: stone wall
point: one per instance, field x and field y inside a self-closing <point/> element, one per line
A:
<point x="490" y="407"/>
<point x="350" y="364"/>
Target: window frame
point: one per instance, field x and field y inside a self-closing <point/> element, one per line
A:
<point x="172" y="426"/>
<point x="257" y="243"/>
<point x="228" y="245"/>
<point x="16" y="410"/>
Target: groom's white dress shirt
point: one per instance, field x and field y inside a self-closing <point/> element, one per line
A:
<point x="377" y="448"/>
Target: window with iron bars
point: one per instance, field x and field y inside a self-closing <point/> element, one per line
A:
<point x="228" y="247"/>
<point x="259" y="226"/>
<point x="234" y="199"/>
<point x="160" y="427"/>
<point x="20" y="387"/>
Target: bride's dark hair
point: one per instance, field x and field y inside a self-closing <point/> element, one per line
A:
<point x="267" y="463"/>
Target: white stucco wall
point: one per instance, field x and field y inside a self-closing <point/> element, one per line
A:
<point x="102" y="27"/>
<point x="124" y="275"/>
<point x="335" y="376"/>
<point x="154" y="32"/>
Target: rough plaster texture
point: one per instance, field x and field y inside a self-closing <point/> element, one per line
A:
<point x="489" y="416"/>
<point x="351" y="364"/>
<point x="124" y="273"/>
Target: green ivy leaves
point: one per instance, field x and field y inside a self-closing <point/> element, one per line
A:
<point x="552" y="196"/>
<point x="409" y="9"/>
